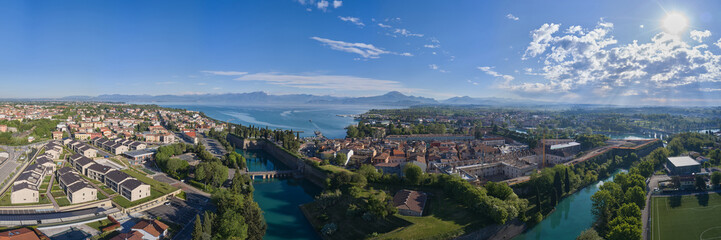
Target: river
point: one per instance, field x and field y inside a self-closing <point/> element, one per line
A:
<point x="571" y="217"/>
<point x="279" y="199"/>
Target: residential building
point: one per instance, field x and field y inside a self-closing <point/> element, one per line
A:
<point x="151" y="229"/>
<point x="409" y="202"/>
<point x="24" y="193"/>
<point x="683" y="165"/>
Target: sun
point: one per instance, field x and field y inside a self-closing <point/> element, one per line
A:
<point x="674" y="23"/>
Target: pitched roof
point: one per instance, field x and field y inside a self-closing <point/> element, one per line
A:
<point x="99" y="168"/>
<point x="84" y="161"/>
<point x="410" y="200"/>
<point x="153" y="227"/>
<point x="69" y="178"/>
<point x="131" y="184"/>
<point x="77" y="186"/>
<point x="21" y="186"/>
<point x="116" y="176"/>
<point x="132" y="235"/>
<point x="19" y="234"/>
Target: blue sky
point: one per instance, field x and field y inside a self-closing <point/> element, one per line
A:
<point x="618" y="52"/>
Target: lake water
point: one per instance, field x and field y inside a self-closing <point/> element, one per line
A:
<point x="571" y="217"/>
<point x="279" y="199"/>
<point x="304" y="118"/>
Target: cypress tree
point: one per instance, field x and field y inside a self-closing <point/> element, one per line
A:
<point x="568" y="182"/>
<point x="207" y="223"/>
<point x="557" y="185"/>
<point x="198" y="230"/>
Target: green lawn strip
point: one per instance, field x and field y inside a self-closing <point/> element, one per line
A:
<point x="164" y="188"/>
<point x="101" y="196"/>
<point x="686" y="217"/>
<point x="62" y="201"/>
<point x="99" y="225"/>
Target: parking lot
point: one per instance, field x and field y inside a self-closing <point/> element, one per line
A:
<point x="175" y="210"/>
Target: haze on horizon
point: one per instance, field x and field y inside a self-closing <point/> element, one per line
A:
<point x="605" y="52"/>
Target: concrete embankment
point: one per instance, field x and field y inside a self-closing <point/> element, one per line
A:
<point x="309" y="172"/>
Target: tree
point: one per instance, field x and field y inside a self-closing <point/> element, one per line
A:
<point x="413" y="174"/>
<point x="700" y="183"/>
<point x="198" y="229"/>
<point x="232" y="225"/>
<point x="624" y="231"/>
<point x="636" y="195"/>
<point x="676" y="147"/>
<point x="645" y="168"/>
<point x="340" y="159"/>
<point x="716" y="178"/>
<point x="558" y="184"/>
<point x="602" y="204"/>
<point x="589" y="234"/>
<point x="499" y="190"/>
<point x="256" y="222"/>
<point x="630" y="210"/>
<point x="567" y="182"/>
<point x="208" y="223"/>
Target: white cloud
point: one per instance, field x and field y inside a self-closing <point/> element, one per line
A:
<point x="710" y="89"/>
<point x="225" y="73"/>
<point x="337" y="3"/>
<point x="472" y="82"/>
<point x="353" y="20"/>
<point x="510" y="16"/>
<point x="541" y="38"/>
<point x="383" y="25"/>
<point x="641" y="26"/>
<point x="431" y="46"/>
<point x="322" y="5"/>
<point x="490" y="71"/>
<point x="433" y="66"/>
<point x="592" y="60"/>
<point x="330" y="82"/>
<point x="574" y="29"/>
<point x="700" y="35"/>
<point x="718" y="43"/>
<point x="364" y="49"/>
<point x="406" y="33"/>
<point x="202" y="84"/>
<point x="166" y="83"/>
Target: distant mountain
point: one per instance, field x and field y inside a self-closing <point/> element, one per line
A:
<point x="261" y="98"/>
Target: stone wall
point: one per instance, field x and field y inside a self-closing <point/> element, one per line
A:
<point x="311" y="173"/>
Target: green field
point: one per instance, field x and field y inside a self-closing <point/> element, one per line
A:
<point x="686" y="217"/>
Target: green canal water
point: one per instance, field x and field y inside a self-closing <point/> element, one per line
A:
<point x="572" y="216"/>
<point x="279" y="199"/>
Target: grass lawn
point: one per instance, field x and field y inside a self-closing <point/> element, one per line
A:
<point x="101" y="196"/>
<point x="162" y="187"/>
<point x="62" y="201"/>
<point x="99" y="225"/>
<point x="443" y="218"/>
<point x="58" y="194"/>
<point x="686" y="217"/>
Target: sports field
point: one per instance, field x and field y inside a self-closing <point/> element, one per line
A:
<point x="686" y="217"/>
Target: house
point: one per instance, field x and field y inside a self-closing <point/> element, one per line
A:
<point x="46" y="162"/>
<point x="97" y="171"/>
<point x="409" y="202"/>
<point x="80" y="192"/>
<point x="389" y="168"/>
<point x="81" y="164"/>
<point x="57" y="135"/>
<point x="114" y="178"/>
<point x="133" y="190"/>
<point x="19" y="234"/>
<point x="151" y="229"/>
<point x="24" y="193"/>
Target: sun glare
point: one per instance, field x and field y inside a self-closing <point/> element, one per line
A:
<point x="674" y="23"/>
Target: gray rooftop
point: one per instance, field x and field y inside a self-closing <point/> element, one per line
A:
<point x="683" y="161"/>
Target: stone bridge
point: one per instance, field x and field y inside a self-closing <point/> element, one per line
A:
<point x="273" y="174"/>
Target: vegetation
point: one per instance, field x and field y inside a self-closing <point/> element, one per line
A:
<point x="237" y="215"/>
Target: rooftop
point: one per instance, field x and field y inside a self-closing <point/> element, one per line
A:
<point x="683" y="161"/>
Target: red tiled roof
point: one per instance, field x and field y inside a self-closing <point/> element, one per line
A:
<point x="410" y="200"/>
<point x="19" y="234"/>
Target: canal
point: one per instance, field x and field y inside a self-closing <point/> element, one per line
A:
<point x="279" y="198"/>
<point x="571" y="217"/>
